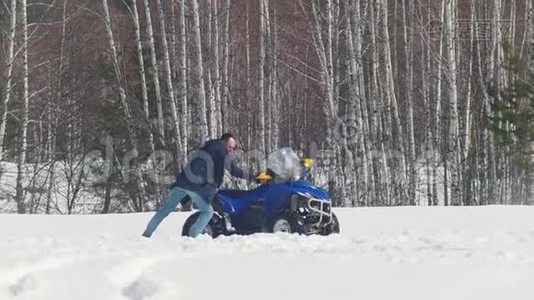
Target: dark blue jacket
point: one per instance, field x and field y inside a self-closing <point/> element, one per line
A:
<point x="204" y="171"/>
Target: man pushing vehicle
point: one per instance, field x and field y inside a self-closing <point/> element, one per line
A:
<point x="199" y="181"/>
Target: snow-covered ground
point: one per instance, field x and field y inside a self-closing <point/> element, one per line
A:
<point x="382" y="253"/>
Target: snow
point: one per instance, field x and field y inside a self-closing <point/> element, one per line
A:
<point x="382" y="253"/>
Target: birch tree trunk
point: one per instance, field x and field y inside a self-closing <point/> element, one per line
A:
<point x="21" y="163"/>
<point x="247" y="51"/>
<point x="144" y="93"/>
<point x="408" y="56"/>
<point x="183" y="80"/>
<point x="201" y="121"/>
<point x="142" y="74"/>
<point x="50" y="149"/>
<point x="357" y="140"/>
<point x="225" y="75"/>
<point x="268" y="81"/>
<point x="495" y="71"/>
<point x="466" y="135"/>
<point x="530" y="26"/>
<point x="453" y="146"/>
<point x="383" y="195"/>
<point x="53" y="118"/>
<point x="497" y="55"/>
<point x="274" y="84"/>
<point x="329" y="61"/>
<point x="116" y="69"/>
<point x="496" y="80"/>
<point x="208" y="72"/>
<point x="467" y="127"/>
<point x="332" y="78"/>
<point x="173" y="50"/>
<point x="10" y="63"/>
<point x="155" y="72"/>
<point x="367" y="136"/>
<point x="529" y="30"/>
<point x="261" y="91"/>
<point x="391" y="96"/>
<point x="323" y="42"/>
<point x="351" y="121"/>
<point x="139" y="202"/>
<point x="436" y="131"/>
<point x="487" y="140"/>
<point x="213" y="70"/>
<point x="216" y="67"/>
<point x="426" y="52"/>
<point x="168" y="73"/>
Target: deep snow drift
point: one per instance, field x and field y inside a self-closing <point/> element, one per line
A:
<point x="382" y="253"/>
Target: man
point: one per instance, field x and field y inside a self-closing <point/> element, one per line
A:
<point x="199" y="181"/>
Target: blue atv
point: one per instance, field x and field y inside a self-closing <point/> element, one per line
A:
<point x="283" y="202"/>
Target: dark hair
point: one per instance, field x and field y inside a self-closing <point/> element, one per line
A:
<point x="227" y="136"/>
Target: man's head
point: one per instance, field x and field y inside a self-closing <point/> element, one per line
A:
<point x="229" y="142"/>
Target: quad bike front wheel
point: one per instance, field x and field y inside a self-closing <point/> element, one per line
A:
<point x="292" y="224"/>
<point x="331" y="228"/>
<point x="281" y="223"/>
<point x="213" y="229"/>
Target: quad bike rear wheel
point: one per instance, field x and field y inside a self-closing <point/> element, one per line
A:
<point x="214" y="228"/>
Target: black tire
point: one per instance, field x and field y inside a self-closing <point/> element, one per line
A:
<point x="282" y="223"/>
<point x="213" y="229"/>
<point x="332" y="228"/>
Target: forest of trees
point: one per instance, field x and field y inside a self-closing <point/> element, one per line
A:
<point x="401" y="102"/>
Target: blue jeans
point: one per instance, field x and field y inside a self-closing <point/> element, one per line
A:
<point x="176" y="195"/>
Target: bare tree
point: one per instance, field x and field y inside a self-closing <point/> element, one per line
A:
<point x="261" y="82"/>
<point x="10" y="63"/>
<point x="155" y="69"/>
<point x="453" y="146"/>
<point x="144" y="93"/>
<point x="200" y="113"/>
<point x="21" y="170"/>
<point x="407" y="18"/>
<point x="183" y="80"/>
<point x="132" y="137"/>
<point x="168" y="73"/>
<point x="217" y="64"/>
<point x="225" y="81"/>
<point x="392" y="101"/>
